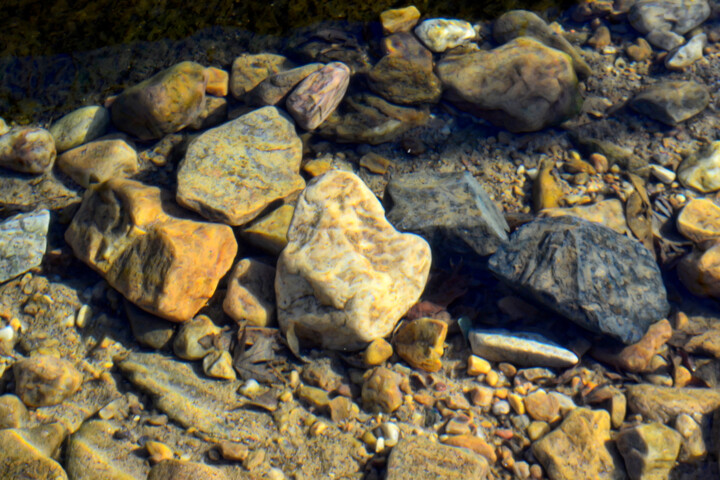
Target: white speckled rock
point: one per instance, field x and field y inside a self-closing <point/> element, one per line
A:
<point x="346" y="276"/>
<point x="80" y="126"/>
<point x="27" y="150"/>
<point x="520" y="348"/>
<point x="23" y="240"/>
<point x="440" y="34"/>
<point x="688" y="54"/>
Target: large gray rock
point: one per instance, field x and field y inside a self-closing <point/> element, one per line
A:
<point x="679" y="16"/>
<point x="451" y="211"/>
<point x="671" y="102"/>
<point x="23" y="240"/>
<point x="599" y="279"/>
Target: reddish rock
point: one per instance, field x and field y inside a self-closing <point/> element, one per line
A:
<point x="318" y="95"/>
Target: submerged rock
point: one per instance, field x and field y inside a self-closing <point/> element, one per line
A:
<point x="523" y="86"/>
<point x="601" y="280"/>
<point x="440" y="34"/>
<point x="23" y="241"/>
<point x="184" y="470"/>
<point x="649" y="450"/>
<point x="679" y="16"/>
<point x="399" y="19"/>
<point x="420" y="458"/>
<point x="671" y="102"/>
<point x="44" y="380"/>
<point x="27" y="150"/>
<point x="318" y="95"/>
<point x="80" y="126"/>
<point x="701" y="170"/>
<point x="249" y="70"/>
<point x="346" y="276"/>
<point x="98" y="161"/>
<point x="525" y="349"/>
<point x="251" y="294"/>
<point x="231" y="173"/>
<point x="32" y="453"/>
<point x="663" y="404"/>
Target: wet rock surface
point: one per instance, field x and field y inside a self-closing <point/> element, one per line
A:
<point x="23" y="242"/>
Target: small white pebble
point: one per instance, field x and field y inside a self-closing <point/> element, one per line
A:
<point x="83" y="316"/>
<point x="7" y="334"/>
<point x="251" y="388"/>
<point x="391" y="433"/>
<point x="275" y="474"/>
<point x="663" y="174"/>
<point x="532" y="173"/>
<point x="501" y="408"/>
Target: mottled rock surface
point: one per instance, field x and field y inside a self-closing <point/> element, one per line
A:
<point x="699" y="220"/>
<point x="701" y="170"/>
<point x="452" y="211"/>
<point x="80" y="126"/>
<point x="346" y="276"/>
<point x="679" y="16"/>
<point x="231" y="173"/>
<point x="249" y="70"/>
<point x="98" y="161"/>
<point x="663" y="404"/>
<point x="318" y="95"/>
<point x="44" y="380"/>
<point x="699" y="270"/>
<point x="184" y="470"/>
<point x="23" y="241"/>
<point x="399" y="19"/>
<point x="421" y="342"/>
<point x="610" y="213"/>
<point x="274" y="89"/>
<point x="270" y="232"/>
<point x="31" y="453"/>
<point x="421" y="459"/>
<point x="165" y="103"/>
<point x="138" y="240"/>
<point x="523" y="86"/>
<point x="601" y="280"/>
<point x="250" y="294"/>
<point x="520" y="348"/>
<point x="671" y="102"/>
<point x="27" y="150"/>
<point x="440" y="34"/>
<point x="580" y="448"/>
<point x="649" y="450"/>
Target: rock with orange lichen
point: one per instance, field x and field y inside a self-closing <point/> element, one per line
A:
<point x="147" y="249"/>
<point x="346" y="276"/>
<point x="420" y="343"/>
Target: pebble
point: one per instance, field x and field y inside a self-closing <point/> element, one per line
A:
<point x="249" y="70"/>
<point x="671" y="102"/>
<point x="542" y="407"/>
<point x="687" y="54"/>
<point x="318" y="95"/>
<point x="649" y="450"/>
<point x="473" y="443"/>
<point x="701" y="169"/>
<point x="440" y="34"/>
<point x="191" y="340"/>
<point x="233" y="451"/>
<point x="420" y="343"/>
<point x="158" y="451"/>
<point x="699" y="221"/>
<point x="639" y="51"/>
<point x="149" y="330"/>
<point x="501" y="407"/>
<point x="693" y="446"/>
<point x="537" y="429"/>
<point x="610" y="213"/>
<point x="13" y="413"/>
<point x="250" y="293"/>
<point x="44" y="380"/>
<point x="663" y="174"/>
<point x="477" y="366"/>
<point x="218" y="81"/>
<point x="219" y="364"/>
<point x="665" y="39"/>
<point x="391" y="433"/>
<point x="269" y="232"/>
<point x="381" y="390"/>
<point x="80" y="126"/>
<point x="23" y="242"/>
<point x="482" y="396"/>
<point x="679" y="16"/>
<point x="519" y="348"/>
<point x="699" y="271"/>
<point x="343" y="409"/>
<point x="98" y="161"/>
<point x="27" y="150"/>
<point x="274" y="89"/>
<point x="375" y="163"/>
<point x="399" y="19"/>
<point x="377" y="353"/>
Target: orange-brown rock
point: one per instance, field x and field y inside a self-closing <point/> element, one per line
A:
<point x="474" y="443"/>
<point x="381" y="390"/>
<point x="144" y="246"/>
<point x="250" y="295"/>
<point x="218" y="81"/>
<point x="44" y="380"/>
<point x="542" y="407"/>
<point x="420" y="343"/>
<point x="98" y="161"/>
<point x="636" y="357"/>
<point x="699" y="271"/>
<point x="399" y="19"/>
<point x="699" y="220"/>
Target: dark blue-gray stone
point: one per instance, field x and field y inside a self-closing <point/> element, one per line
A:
<point x="599" y="279"/>
<point x="451" y="211"/>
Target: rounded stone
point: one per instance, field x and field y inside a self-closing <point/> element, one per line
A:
<point x="80" y="126"/>
<point x="43" y="380"/>
<point x="27" y="150"/>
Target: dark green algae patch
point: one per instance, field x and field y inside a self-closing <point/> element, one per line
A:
<point x="39" y="27"/>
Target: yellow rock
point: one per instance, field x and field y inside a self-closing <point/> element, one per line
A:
<point x="546" y="190"/>
<point x="218" y="82"/>
<point x="420" y="342"/>
<point x="537" y="429"/>
<point x="477" y="366"/>
<point x="610" y="213"/>
<point x="317" y="166"/>
<point x="375" y="163"/>
<point x="699" y="271"/>
<point x="29" y="453"/>
<point x="381" y="390"/>
<point x="699" y="220"/>
<point x="474" y="443"/>
<point x="399" y="19"/>
<point x="377" y="352"/>
<point x="158" y="451"/>
<point x="43" y="380"/>
<point x="250" y="295"/>
<point x="98" y="161"/>
<point x="138" y="240"/>
<point x="270" y="231"/>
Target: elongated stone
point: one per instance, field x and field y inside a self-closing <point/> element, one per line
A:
<point x="663" y="404"/>
<point x="671" y="102"/>
<point x="23" y="241"/>
<point x="318" y="95"/>
<point x="80" y="126"/>
<point x="520" y="348"/>
<point x="440" y="34"/>
<point x="419" y="458"/>
<point x="98" y="161"/>
<point x="31" y="453"/>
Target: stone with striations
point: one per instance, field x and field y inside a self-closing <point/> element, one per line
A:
<point x="32" y="453"/>
<point x="346" y="276"/>
<point x="318" y="95"/>
<point x="420" y="458"/>
<point x="452" y="211"/>
<point x="183" y="470"/>
<point x="580" y="448"/>
<point x="523" y="85"/>
<point x="701" y="170"/>
<point x="249" y="70"/>
<point x="250" y="295"/>
<point x="671" y="102"/>
<point x="44" y="380"/>
<point x="649" y="450"/>
<point x="80" y="126"/>
<point x="276" y="87"/>
<point x="23" y="241"/>
<point x="399" y="19"/>
<point x="233" y="172"/>
<point x="145" y="247"/>
<point x="590" y="274"/>
<point x="525" y="349"/>
<point x="165" y="103"/>
<point x="679" y="16"/>
<point x="27" y="150"/>
<point x="98" y="161"/>
<point x="664" y="404"/>
<point x="440" y="34"/>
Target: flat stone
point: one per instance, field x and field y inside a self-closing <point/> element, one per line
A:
<point x="23" y="241"/>
<point x="122" y="224"/>
<point x="523" y="23"/>
<point x="520" y="348"/>
<point x="663" y="404"/>
<point x="80" y="126"/>
<point x="27" y="150"/>
<point x="95" y="452"/>
<point x="32" y="453"/>
<point x="671" y="102"/>
<point x="523" y="85"/>
<point x="44" y="380"/>
<point x="205" y="404"/>
<point x="405" y="74"/>
<point x="365" y="118"/>
<point x="318" y="95"/>
<point x="98" y="161"/>
<point x="649" y="450"/>
<point x="679" y="16"/>
<point x="346" y="276"/>
<point x="250" y="294"/>
<point x="421" y="343"/>
<point x="399" y="19"/>
<point x="452" y="211"/>
<point x="687" y="54"/>
<point x="580" y="448"/>
<point x="701" y="170"/>
<point x="183" y="470"/>
<point x="274" y="89"/>
<point x="420" y="458"/>
<point x="164" y="103"/>
<point x="699" y="271"/>
<point x="259" y="152"/>
<point x="270" y="232"/>
<point x="610" y="213"/>
<point x="603" y="281"/>
<point x="249" y="70"/>
<point x="440" y="34"/>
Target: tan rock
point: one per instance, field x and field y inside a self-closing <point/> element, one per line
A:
<point x="419" y="458"/>
<point x="317" y="166"/>
<point x="218" y="82"/>
<point x="318" y="95"/>
<point x="542" y="407"/>
<point x="195" y="338"/>
<point x="346" y="276"/>
<point x="249" y="70"/>
<point x="342" y="409"/>
<point x="138" y="240"/>
<point x="213" y="113"/>
<point x="98" y="161"/>
<point x="399" y="19"/>
<point x="693" y="446"/>
<point x="381" y="390"/>
<point x="183" y="470"/>
<point x="276" y="87"/>
<point x="420" y="342"/>
<point x="610" y="213"/>
<point x="637" y="357"/>
<point x="27" y="150"/>
<point x="270" y="232"/>
<point x="699" y="220"/>
<point x="219" y="364"/>
<point x="250" y="295"/>
<point x="79" y="126"/>
<point x="663" y="404"/>
<point x="699" y="271"/>
<point x="649" y="450"/>
<point x="13" y="413"/>
<point x="31" y="453"/>
<point x="43" y="380"/>
<point x="375" y="163"/>
<point x="580" y="448"/>
<point x="162" y="104"/>
<point x="547" y="192"/>
<point x="473" y="443"/>
<point x="377" y="353"/>
<point x="231" y="173"/>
